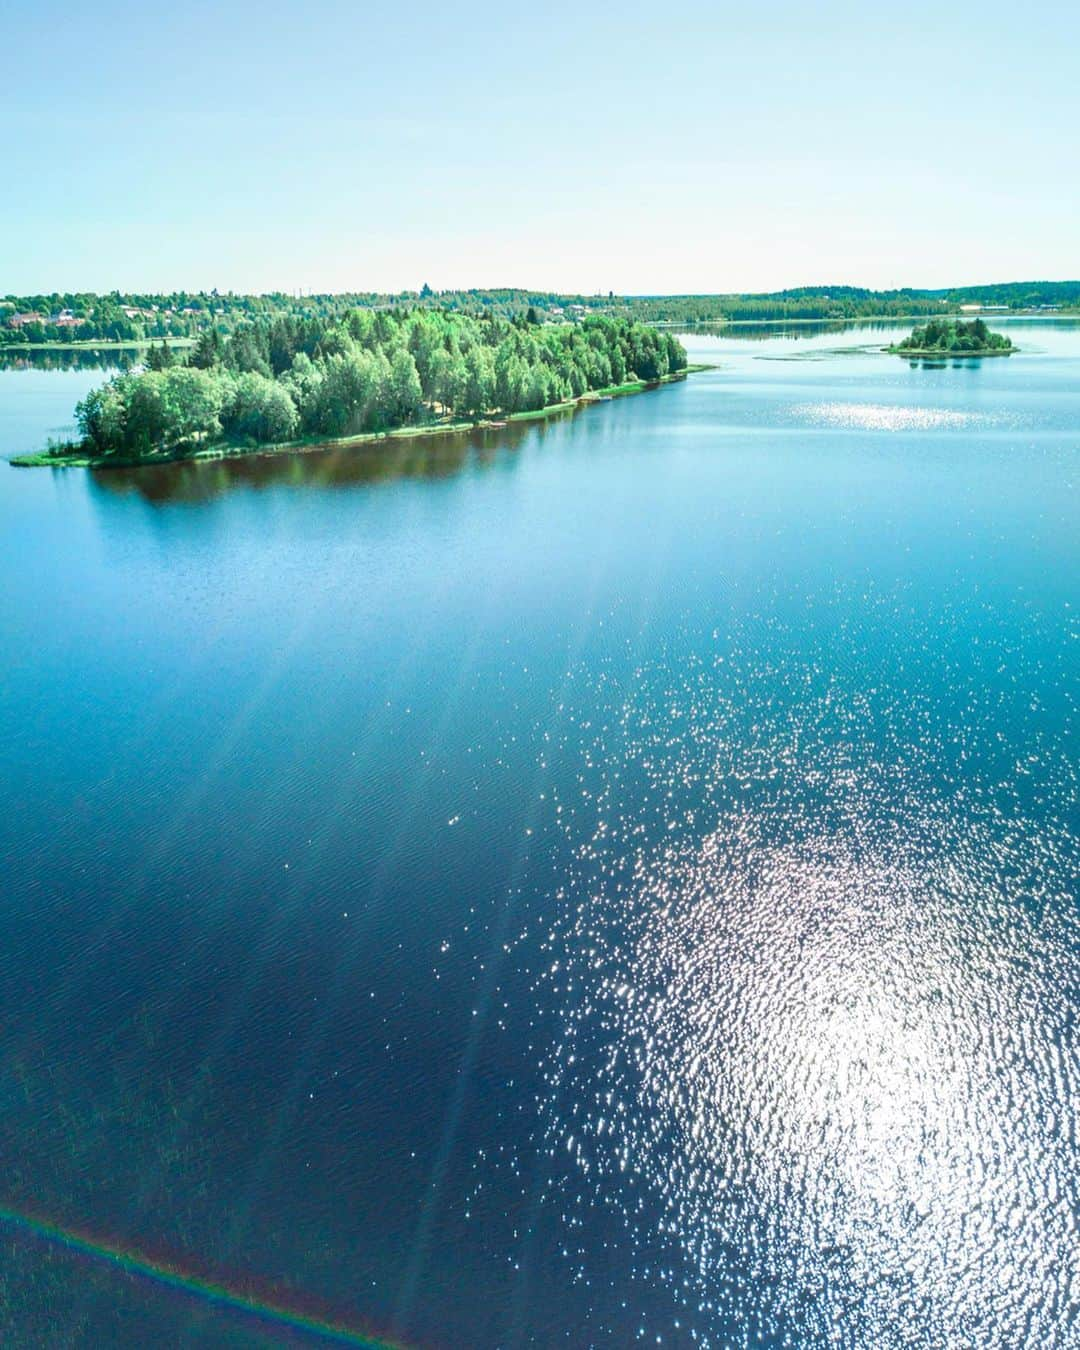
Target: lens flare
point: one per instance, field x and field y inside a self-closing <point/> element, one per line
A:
<point x="134" y="1263"/>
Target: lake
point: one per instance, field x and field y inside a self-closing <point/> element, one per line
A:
<point x="609" y="880"/>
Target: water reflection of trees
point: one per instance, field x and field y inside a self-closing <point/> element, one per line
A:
<point x="756" y="330"/>
<point x="417" y="457"/>
<point x="73" y="358"/>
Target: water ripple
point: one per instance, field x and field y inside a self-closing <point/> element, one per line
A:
<point x="818" y="1019"/>
<point x="888" y="417"/>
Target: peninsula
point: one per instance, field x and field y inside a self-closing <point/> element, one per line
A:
<point x="946" y="337"/>
<point x="293" y="383"/>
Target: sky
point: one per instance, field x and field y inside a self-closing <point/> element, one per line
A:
<point x="640" y="148"/>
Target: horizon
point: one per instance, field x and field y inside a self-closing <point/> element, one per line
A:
<point x="304" y="292"/>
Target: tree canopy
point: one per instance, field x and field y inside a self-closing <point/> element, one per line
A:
<point x="944" y="335"/>
<point x="367" y="371"/>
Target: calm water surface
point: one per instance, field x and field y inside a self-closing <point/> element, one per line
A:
<point x="612" y="881"/>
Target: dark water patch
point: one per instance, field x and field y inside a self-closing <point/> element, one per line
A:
<point x="386" y="461"/>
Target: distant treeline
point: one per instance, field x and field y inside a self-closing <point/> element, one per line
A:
<point x="1021" y="295"/>
<point x="840" y="302"/>
<point x="370" y="371"/>
<point x="134" y="317"/>
<point x="850" y="302"/>
<point x="69" y="317"/>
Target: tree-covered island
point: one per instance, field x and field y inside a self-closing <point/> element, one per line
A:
<point x="947" y="337"/>
<point x="295" y="381"/>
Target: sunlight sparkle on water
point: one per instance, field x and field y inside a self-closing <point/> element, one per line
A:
<point x="886" y="417"/>
<point x="814" y="1036"/>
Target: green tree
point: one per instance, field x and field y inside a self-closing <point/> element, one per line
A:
<point x="304" y="384"/>
<point x="191" y="403"/>
<point x="102" y="417"/>
<point x="479" y="383"/>
<point x="452" y="380"/>
<point x="207" y="351"/>
<point x="160" y="358"/>
<point x="404" y="395"/>
<point x="511" y="378"/>
<point x="348" y="392"/>
<point x="259" y="409"/>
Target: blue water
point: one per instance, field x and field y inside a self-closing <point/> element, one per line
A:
<point x="611" y="880"/>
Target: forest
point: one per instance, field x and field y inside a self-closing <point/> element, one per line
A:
<point x="372" y="371"/>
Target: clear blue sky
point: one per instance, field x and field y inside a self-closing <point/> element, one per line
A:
<point x="574" y="146"/>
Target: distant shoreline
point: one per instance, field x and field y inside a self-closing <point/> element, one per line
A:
<point x="79" y="459"/>
<point x="865" y="318"/>
<point x="183" y="343"/>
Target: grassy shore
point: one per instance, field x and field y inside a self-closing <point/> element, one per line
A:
<point x="76" y="457"/>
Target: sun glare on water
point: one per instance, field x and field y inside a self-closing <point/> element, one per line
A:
<point x="885" y="417"/>
<point x="821" y="1040"/>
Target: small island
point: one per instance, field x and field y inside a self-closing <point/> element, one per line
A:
<point x="950" y="337"/>
<point x="294" y="383"/>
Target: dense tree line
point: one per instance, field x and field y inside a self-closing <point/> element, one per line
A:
<point x="133" y="317"/>
<point x="1021" y="295"/>
<point x="372" y="370"/>
<point x="835" y="302"/>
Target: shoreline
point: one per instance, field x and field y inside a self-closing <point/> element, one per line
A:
<point x="721" y="321"/>
<point x="686" y="324"/>
<point x="98" y="345"/>
<point x="78" y="458"/>
<point x="941" y="352"/>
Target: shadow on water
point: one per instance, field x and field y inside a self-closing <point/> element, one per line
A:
<point x="954" y="361"/>
<point x="419" y="457"/>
